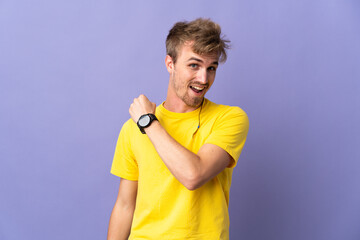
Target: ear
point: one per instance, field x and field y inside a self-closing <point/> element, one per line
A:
<point x="169" y="64"/>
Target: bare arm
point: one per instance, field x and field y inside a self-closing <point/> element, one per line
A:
<point x="122" y="213"/>
<point x="192" y="170"/>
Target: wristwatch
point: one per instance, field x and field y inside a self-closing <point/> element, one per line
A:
<point x="145" y="121"/>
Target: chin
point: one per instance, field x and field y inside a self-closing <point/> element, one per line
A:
<point x="195" y="102"/>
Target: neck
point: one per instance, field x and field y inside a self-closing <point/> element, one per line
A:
<point x="178" y="107"/>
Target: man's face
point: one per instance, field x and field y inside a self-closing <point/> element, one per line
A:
<point x="192" y="76"/>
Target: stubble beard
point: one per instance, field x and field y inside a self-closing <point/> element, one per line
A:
<point x="193" y="102"/>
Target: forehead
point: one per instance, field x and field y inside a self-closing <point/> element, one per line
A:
<point x="186" y="52"/>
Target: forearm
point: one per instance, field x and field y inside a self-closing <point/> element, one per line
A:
<point x="120" y="222"/>
<point x="182" y="163"/>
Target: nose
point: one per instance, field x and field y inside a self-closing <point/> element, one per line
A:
<point x="202" y="76"/>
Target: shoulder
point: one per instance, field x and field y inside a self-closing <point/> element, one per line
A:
<point x="128" y="127"/>
<point x="227" y="112"/>
<point x="129" y="123"/>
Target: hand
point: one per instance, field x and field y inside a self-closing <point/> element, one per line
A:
<point x="141" y="106"/>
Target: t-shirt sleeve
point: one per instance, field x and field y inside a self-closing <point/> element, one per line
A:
<point x="124" y="164"/>
<point x="229" y="132"/>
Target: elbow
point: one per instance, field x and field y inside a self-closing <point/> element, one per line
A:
<point x="192" y="187"/>
<point x="193" y="182"/>
<point x="193" y="177"/>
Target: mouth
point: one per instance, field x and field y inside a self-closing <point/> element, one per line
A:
<point x="198" y="89"/>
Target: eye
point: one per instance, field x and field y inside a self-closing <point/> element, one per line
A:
<point x="212" y="68"/>
<point x="193" y="65"/>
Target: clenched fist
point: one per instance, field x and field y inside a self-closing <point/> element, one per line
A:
<point x="141" y="106"/>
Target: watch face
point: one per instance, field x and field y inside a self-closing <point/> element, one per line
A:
<point x="144" y="121"/>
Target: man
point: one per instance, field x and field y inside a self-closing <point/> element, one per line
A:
<point x="176" y="160"/>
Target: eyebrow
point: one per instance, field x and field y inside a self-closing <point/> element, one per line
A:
<point x="199" y="60"/>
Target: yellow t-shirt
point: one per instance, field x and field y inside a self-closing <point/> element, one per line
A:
<point x="165" y="209"/>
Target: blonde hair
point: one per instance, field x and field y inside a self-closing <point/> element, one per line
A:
<point x="204" y="34"/>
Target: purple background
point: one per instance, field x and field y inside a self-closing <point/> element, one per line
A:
<point x="70" y="69"/>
